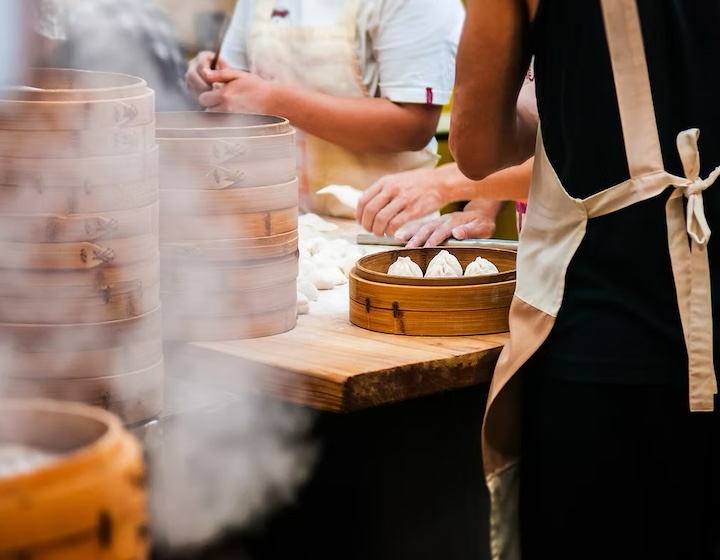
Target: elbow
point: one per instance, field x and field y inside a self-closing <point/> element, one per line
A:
<point x="476" y="163"/>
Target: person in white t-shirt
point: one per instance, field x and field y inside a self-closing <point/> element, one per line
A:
<point x="364" y="81"/>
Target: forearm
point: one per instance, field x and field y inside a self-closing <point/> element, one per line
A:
<point x="487" y="132"/>
<point x="512" y="183"/>
<point x="358" y="124"/>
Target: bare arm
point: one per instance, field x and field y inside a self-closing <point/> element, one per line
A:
<point x="358" y="124"/>
<point x="488" y="132"/>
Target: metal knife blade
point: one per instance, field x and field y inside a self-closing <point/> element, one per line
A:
<point x="508" y="244"/>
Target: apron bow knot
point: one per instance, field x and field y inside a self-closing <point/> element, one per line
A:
<point x="693" y="186"/>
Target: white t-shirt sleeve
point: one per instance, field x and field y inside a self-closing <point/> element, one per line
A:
<point x="234" y="47"/>
<point x="415" y="46"/>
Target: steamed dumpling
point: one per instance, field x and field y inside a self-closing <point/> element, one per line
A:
<point x="480" y="267"/>
<point x="444" y="264"/>
<point x="405" y="266"/>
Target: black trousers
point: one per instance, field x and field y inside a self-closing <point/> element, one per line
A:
<point x="617" y="472"/>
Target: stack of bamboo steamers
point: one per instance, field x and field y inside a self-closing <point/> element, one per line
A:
<point x="79" y="237"/>
<point x="228" y="225"/>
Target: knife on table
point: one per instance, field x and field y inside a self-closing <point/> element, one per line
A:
<point x="508" y="244"/>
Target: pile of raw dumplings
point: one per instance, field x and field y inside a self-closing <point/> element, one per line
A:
<point x="443" y="265"/>
<point x="324" y="263"/>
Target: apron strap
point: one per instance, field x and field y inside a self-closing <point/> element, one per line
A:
<point x="632" y="85"/>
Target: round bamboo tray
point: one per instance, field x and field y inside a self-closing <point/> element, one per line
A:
<point x="217" y="151"/>
<point x="228" y="175"/>
<point x="432" y="306"/>
<point x="79" y="199"/>
<point x="228" y="226"/>
<point x="77" y="115"/>
<point x="89" y="503"/>
<point x="78" y="256"/>
<point x="230" y="250"/>
<point x="72" y="228"/>
<point x="71" y="364"/>
<point x="233" y="303"/>
<point x="228" y="277"/>
<point x="229" y="201"/>
<point x="81" y="337"/>
<point x="77" y="143"/>
<point x="134" y="396"/>
<point x="204" y="329"/>
<point x="105" y="281"/>
<point x="72" y="172"/>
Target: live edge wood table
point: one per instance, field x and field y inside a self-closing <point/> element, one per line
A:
<point x="398" y="426"/>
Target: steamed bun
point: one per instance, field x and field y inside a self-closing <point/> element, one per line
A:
<point x="444" y="264"/>
<point x="405" y="266"/>
<point x="480" y="267"/>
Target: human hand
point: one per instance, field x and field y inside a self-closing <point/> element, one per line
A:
<point x="396" y="199"/>
<point x="194" y="80"/>
<point x="240" y="91"/>
<point x="476" y="221"/>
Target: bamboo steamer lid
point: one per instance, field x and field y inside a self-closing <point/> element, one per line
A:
<point x="90" y="502"/>
<point x="64" y="84"/>
<point x="432" y="306"/>
<point x="65" y="100"/>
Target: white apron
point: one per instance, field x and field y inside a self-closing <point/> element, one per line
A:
<point x="553" y="230"/>
<point x="323" y="59"/>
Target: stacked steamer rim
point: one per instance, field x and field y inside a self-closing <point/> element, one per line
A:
<point x="72" y="484"/>
<point x="79" y="248"/>
<point x="228" y="225"/>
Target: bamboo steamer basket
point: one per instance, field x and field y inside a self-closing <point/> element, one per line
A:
<point x="89" y="503"/>
<point x="117" y="365"/>
<point x="468" y="305"/>
<point x="79" y="199"/>
<point x="228" y="225"/>
<point x="79" y="242"/>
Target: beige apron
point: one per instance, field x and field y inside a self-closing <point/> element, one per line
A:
<point x="323" y="59"/>
<point x="553" y="230"/>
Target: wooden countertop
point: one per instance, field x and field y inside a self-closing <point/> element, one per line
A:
<point x="328" y="364"/>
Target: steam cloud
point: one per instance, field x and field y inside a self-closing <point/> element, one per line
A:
<point x="212" y="471"/>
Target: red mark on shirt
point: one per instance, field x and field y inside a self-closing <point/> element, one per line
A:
<point x="429" y="95"/>
<point x="280" y="13"/>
